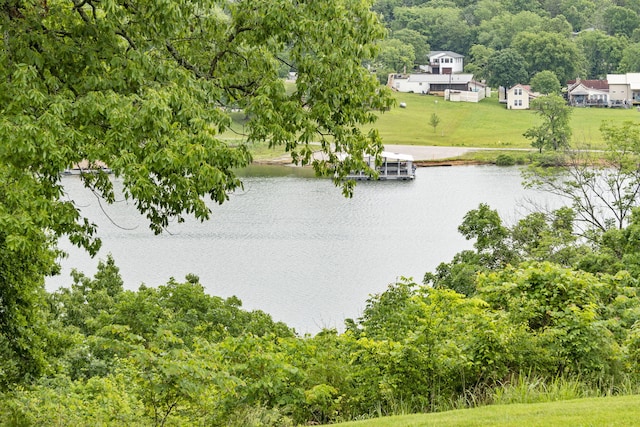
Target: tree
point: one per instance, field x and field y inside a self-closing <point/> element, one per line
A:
<point x="394" y="56"/>
<point x="506" y="69"/>
<point x="554" y="132"/>
<point x="443" y="26"/>
<point x="602" y="52"/>
<point x="415" y="39"/>
<point x="604" y="194"/>
<point x="498" y="31"/>
<point x="145" y="88"/>
<point x="539" y="236"/>
<point x="561" y="311"/>
<point x="483" y="10"/>
<point x="620" y="21"/>
<point x="579" y="13"/>
<point x="630" y="61"/>
<point x="479" y="59"/>
<point x="545" y="82"/>
<point x="549" y="51"/>
<point x="434" y="121"/>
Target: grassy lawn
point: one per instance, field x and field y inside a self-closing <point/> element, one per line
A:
<point x="596" y="412"/>
<point x="485" y="124"/>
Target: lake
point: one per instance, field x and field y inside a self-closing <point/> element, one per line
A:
<point x="294" y="247"/>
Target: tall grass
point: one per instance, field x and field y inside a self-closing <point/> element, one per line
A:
<point x="518" y="389"/>
<point x="536" y="389"/>
<point x="526" y="399"/>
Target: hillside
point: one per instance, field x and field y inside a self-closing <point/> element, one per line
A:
<point x="486" y="124"/>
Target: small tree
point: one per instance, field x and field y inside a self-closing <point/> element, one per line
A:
<point x="506" y="69"/>
<point x="545" y="82"/>
<point x="434" y="121"/>
<point x="602" y="195"/>
<point x="554" y="132"/>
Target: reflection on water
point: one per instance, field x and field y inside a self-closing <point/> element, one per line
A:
<point x="294" y="247"/>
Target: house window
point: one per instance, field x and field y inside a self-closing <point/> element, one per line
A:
<point x="517" y="91"/>
<point x="517" y="103"/>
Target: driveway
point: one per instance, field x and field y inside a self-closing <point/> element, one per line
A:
<point x="421" y="152"/>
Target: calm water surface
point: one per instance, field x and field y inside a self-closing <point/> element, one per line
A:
<point x="295" y="248"/>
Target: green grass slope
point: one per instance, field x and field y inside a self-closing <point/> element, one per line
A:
<point x="487" y="124"/>
<point x="596" y="412"/>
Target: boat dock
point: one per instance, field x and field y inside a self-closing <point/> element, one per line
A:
<point x="394" y="166"/>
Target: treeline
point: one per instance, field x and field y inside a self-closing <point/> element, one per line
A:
<point x="510" y="310"/>
<point x="586" y="38"/>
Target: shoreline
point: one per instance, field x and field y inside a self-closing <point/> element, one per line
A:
<point x="424" y="156"/>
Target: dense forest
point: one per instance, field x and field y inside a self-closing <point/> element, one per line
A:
<point x="552" y="297"/>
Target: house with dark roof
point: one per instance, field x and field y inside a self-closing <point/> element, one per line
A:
<point x="588" y="93"/>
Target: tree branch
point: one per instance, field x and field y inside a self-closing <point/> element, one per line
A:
<point x="183" y="62"/>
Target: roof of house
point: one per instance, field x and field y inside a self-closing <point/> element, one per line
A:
<point x="440" y="53"/>
<point x="631" y="79"/>
<point x="634" y="81"/>
<point x="617" y="79"/>
<point x="589" y="84"/>
<point x="525" y="87"/>
<point x="440" y="78"/>
<point x="581" y="89"/>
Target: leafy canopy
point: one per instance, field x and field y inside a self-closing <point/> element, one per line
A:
<point x="145" y="87"/>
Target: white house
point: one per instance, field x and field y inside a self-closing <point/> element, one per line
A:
<point x="444" y="62"/>
<point x="624" y="88"/>
<point x="587" y="93"/>
<point x="429" y="83"/>
<point x="518" y="97"/>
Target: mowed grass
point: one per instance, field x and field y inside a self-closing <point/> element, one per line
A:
<point x="596" y="412"/>
<point x="487" y="124"/>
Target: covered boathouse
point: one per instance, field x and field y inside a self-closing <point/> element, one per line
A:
<point x="394" y="166"/>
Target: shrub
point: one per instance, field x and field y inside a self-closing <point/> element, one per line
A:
<point x="505" y="160"/>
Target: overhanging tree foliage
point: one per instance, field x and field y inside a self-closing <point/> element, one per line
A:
<point x="145" y="87"/>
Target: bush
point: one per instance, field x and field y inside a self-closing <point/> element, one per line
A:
<point x="505" y="160"/>
<point x="549" y="159"/>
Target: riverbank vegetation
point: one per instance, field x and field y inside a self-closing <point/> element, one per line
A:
<point x="531" y="314"/>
